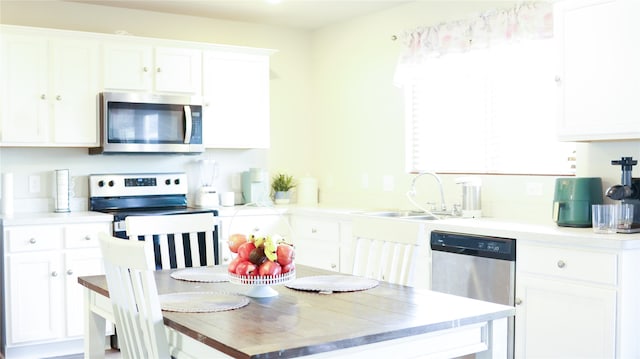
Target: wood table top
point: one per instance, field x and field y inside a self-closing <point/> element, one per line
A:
<point x="296" y="323"/>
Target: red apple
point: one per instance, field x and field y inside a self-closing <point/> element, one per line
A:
<point x="235" y="241"/>
<point x="245" y="250"/>
<point x="288" y="268"/>
<point x="285" y="254"/>
<point x="269" y="268"/>
<point x="246" y="268"/>
<point x="234" y="264"/>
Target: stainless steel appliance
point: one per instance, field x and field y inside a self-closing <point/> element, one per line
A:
<point x="477" y="267"/>
<point x="140" y="194"/>
<point x="149" y="123"/>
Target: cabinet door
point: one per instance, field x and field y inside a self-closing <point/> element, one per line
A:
<point x="317" y="242"/>
<point x="599" y="77"/>
<point x="127" y="67"/>
<point x="35" y="296"/>
<point x="23" y="90"/>
<point x="564" y="319"/>
<point x="178" y="70"/>
<point x="236" y="99"/>
<point x="74" y="90"/>
<point x="80" y="262"/>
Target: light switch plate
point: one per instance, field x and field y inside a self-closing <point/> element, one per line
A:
<point x="34" y="184"/>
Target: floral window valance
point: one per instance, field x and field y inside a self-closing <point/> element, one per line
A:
<point x="530" y="20"/>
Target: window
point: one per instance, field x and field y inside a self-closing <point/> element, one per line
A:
<point x="487" y="111"/>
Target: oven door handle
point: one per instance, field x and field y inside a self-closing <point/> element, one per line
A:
<point x="188" y="124"/>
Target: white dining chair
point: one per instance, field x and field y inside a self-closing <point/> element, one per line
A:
<point x="129" y="267"/>
<point x="183" y="240"/>
<point x="391" y="252"/>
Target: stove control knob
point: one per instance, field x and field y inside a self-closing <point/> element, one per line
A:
<point x="101" y="183"/>
<point x="177" y="181"/>
<point x="167" y="182"/>
<point x="111" y="183"/>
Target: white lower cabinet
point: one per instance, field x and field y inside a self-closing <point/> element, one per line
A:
<point x="317" y="242"/>
<point x="566" y="302"/>
<point x="43" y="300"/>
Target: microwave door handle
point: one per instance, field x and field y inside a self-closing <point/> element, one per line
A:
<point x="188" y="124"/>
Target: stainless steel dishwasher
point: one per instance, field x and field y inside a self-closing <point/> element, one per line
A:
<point x="478" y="267"/>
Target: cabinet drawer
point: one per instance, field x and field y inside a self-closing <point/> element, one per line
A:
<point x="35" y="238"/>
<point x="83" y="235"/>
<point x="315" y="229"/>
<point x="598" y="267"/>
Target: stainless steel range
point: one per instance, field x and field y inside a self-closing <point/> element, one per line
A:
<point x="141" y="194"/>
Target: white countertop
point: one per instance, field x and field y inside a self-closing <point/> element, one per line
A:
<point x="19" y="219"/>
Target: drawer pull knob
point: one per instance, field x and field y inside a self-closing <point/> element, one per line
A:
<point x="70" y="272"/>
<point x="561" y="264"/>
<point x="54" y="274"/>
<point x="518" y="301"/>
<point x="333" y="266"/>
<point x="87" y="237"/>
<point x="313" y="230"/>
<point x="256" y="229"/>
<point x="32" y="241"/>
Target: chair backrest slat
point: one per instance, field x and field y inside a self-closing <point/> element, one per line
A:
<point x="129" y="267"/>
<point x="168" y="227"/>
<point x="385" y="260"/>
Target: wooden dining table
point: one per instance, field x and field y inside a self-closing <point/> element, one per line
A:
<point x="387" y="320"/>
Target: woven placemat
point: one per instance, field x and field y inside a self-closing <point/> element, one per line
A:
<point x="202" y="274"/>
<point x="332" y="283"/>
<point x="201" y="302"/>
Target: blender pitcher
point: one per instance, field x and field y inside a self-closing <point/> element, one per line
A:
<point x="207" y="194"/>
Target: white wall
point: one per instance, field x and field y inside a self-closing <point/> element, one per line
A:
<point x="335" y="113"/>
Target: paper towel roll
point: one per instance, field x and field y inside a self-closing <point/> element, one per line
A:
<point x="7" y="193"/>
<point x="62" y="191"/>
<point x="307" y="191"/>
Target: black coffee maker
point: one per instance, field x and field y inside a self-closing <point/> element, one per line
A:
<point x="628" y="191"/>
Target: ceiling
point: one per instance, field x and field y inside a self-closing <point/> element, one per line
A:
<point x="301" y="14"/>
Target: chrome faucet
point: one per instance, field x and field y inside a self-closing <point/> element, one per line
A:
<point x="412" y="191"/>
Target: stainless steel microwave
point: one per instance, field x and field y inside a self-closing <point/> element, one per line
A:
<point x="149" y="123"/>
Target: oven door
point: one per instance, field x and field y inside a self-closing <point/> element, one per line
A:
<point x="147" y="123"/>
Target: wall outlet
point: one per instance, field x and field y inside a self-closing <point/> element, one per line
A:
<point x="34" y="184"/>
<point x="388" y="183"/>
<point x="365" y="181"/>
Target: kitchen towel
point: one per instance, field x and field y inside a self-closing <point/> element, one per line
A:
<point x="7" y="193"/>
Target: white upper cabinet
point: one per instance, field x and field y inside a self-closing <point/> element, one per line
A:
<point x="598" y="75"/>
<point x="48" y="90"/>
<point x="142" y="67"/>
<point x="236" y="100"/>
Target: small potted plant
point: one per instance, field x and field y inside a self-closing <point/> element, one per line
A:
<point x="281" y="185"/>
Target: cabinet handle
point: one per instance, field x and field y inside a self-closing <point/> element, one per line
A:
<point x="333" y="266"/>
<point x="87" y="237"/>
<point x="557" y="79"/>
<point x="518" y="301"/>
<point x="158" y="70"/>
<point x="43" y="97"/>
<point x="59" y="98"/>
<point x="145" y="69"/>
<point x="561" y="264"/>
<point x="54" y="274"/>
<point x="70" y="272"/>
<point x="313" y="230"/>
<point x="32" y="241"/>
<point x="256" y="229"/>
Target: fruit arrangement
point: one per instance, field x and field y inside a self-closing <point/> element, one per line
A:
<point x="264" y="256"/>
